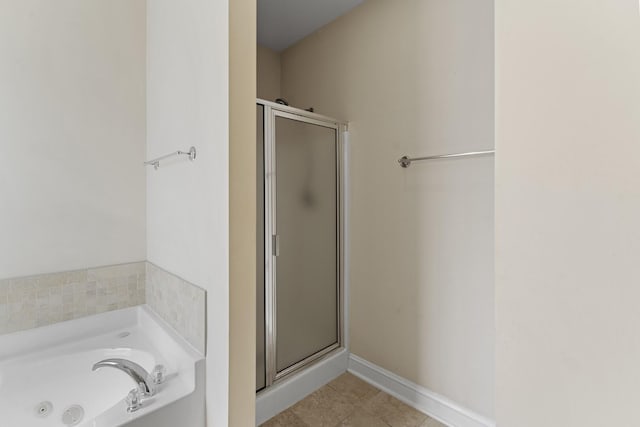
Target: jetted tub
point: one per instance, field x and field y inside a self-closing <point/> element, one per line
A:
<point x="46" y="377"/>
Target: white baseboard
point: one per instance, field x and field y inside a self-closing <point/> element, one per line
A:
<point x="279" y="397"/>
<point x="434" y="405"/>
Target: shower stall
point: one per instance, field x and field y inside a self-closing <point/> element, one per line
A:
<point x="300" y="240"/>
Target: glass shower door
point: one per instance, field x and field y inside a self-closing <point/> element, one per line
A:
<point x="306" y="258"/>
<point x="299" y="240"/>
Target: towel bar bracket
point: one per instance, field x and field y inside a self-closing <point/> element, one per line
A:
<point x="156" y="162"/>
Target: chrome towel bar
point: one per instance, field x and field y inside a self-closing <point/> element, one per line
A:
<point x="156" y="162"/>
<point x="405" y="161"/>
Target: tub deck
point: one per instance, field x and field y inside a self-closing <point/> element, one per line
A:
<point x="46" y="375"/>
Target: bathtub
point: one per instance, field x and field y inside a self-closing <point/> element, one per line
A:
<point x="46" y="377"/>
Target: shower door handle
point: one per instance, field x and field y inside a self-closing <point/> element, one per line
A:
<point x="275" y="245"/>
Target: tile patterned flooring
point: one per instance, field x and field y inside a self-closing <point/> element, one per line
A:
<point x="348" y="401"/>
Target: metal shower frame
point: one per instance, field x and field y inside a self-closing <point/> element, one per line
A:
<point x="270" y="113"/>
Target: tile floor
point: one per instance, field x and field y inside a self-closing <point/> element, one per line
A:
<point x="348" y="401"/>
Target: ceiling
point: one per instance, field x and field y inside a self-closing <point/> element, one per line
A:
<point x="281" y="23"/>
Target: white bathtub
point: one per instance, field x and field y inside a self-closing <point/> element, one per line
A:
<point x="45" y="371"/>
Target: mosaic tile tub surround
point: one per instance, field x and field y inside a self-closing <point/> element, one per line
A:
<point x="180" y="303"/>
<point x="33" y="301"/>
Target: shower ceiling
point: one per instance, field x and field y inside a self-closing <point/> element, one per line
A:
<point x="281" y="23"/>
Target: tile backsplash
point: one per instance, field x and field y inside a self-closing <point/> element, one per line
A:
<point x="179" y="303"/>
<point x="33" y="301"/>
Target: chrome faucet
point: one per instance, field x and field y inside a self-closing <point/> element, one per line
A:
<point x="145" y="382"/>
<point x="142" y="378"/>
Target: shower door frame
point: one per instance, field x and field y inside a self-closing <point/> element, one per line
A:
<point x="270" y="113"/>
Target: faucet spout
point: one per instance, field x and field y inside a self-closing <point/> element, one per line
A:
<point x="137" y="373"/>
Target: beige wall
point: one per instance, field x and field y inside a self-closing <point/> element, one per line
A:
<point x="567" y="213"/>
<point x="414" y="77"/>
<point x="72" y="134"/>
<point x="242" y="213"/>
<point x="268" y="73"/>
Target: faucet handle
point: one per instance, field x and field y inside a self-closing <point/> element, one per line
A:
<point x="134" y="400"/>
<point x="158" y="374"/>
